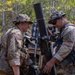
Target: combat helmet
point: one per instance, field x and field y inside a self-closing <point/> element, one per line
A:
<point x="22" y="18"/>
<point x="56" y="15"/>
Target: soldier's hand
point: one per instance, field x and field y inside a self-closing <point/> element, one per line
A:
<point x="48" y="67"/>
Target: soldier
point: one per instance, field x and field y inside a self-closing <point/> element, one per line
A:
<point x="12" y="54"/>
<point x="67" y="30"/>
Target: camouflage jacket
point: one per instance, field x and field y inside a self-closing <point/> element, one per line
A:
<point x="68" y="34"/>
<point x="10" y="54"/>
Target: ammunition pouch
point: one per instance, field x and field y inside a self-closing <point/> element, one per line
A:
<point x="70" y="59"/>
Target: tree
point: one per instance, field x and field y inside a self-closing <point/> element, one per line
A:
<point x="13" y="7"/>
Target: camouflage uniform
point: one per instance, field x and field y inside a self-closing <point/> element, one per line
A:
<point x="68" y="34"/>
<point x="12" y="51"/>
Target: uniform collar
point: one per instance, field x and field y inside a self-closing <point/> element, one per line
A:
<point x="67" y="24"/>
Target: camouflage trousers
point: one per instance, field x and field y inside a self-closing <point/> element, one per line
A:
<point x="69" y="70"/>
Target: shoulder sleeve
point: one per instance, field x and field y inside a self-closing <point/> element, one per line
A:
<point x="67" y="45"/>
<point x="14" y="46"/>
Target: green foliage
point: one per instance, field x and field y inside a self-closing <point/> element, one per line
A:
<point x="13" y="7"/>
